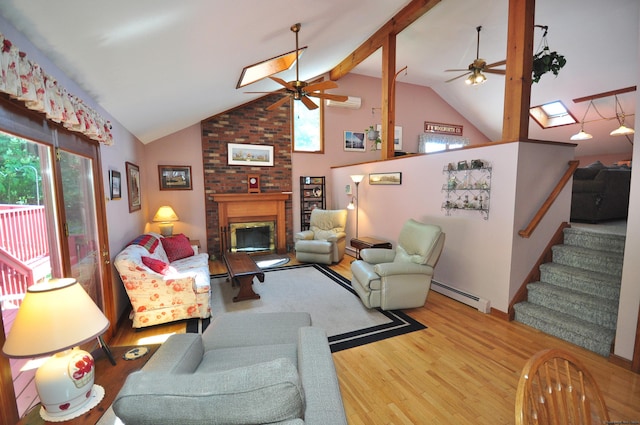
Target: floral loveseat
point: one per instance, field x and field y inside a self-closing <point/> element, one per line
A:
<point x="165" y="279"/>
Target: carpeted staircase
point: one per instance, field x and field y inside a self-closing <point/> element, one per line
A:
<point x="577" y="296"/>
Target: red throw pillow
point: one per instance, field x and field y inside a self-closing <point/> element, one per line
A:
<point x="156" y="265"/>
<point x="177" y="247"/>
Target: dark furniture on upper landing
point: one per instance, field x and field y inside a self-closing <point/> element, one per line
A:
<point x="600" y="193"/>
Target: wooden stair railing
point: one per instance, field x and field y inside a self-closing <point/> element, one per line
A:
<point x="525" y="233"/>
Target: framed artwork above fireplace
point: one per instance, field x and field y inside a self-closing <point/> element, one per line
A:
<point x="251" y="155"/>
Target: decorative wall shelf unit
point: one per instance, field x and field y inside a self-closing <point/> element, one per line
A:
<point x="312" y="195"/>
<point x="468" y="187"/>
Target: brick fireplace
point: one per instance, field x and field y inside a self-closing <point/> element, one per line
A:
<point x="247" y="124"/>
<point x="253" y="209"/>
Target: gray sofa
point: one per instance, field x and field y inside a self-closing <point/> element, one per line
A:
<point x="245" y="368"/>
<point x="600" y="193"/>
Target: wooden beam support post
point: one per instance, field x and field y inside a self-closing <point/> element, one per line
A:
<point x="517" y="91"/>
<point x="408" y="15"/>
<point x="388" y="95"/>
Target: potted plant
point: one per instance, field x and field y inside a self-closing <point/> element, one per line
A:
<point x="546" y="61"/>
<point x="374" y="136"/>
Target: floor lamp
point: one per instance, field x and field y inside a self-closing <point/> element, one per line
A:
<point x="357" y="178"/>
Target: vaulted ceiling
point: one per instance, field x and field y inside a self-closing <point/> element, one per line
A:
<point x="158" y="66"/>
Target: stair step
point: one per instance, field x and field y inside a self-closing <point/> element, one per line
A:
<point x="587" y="281"/>
<point x="594" y="239"/>
<point x="590" y="308"/>
<point x="589" y="259"/>
<point x="587" y="335"/>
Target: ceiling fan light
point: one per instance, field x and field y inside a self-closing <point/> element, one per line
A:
<point x="622" y="131"/>
<point x="582" y="135"/>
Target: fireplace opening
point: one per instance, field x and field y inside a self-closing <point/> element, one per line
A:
<point x="253" y="237"/>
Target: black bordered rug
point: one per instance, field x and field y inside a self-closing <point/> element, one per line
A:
<point x="320" y="291"/>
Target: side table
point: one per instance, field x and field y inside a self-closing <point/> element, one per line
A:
<point x="110" y="377"/>
<point x="368" y="242"/>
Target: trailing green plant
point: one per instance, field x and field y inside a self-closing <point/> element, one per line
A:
<point x="546" y="61"/>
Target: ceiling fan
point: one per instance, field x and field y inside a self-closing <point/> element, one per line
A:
<point x="477" y="67"/>
<point x="302" y="90"/>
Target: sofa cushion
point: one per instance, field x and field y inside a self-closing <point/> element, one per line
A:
<point x="177" y="247"/>
<point x="150" y="242"/>
<point x="156" y="265"/>
<point x="263" y="393"/>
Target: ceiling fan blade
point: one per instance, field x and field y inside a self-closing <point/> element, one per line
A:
<point x="282" y="82"/>
<point x="456" y="70"/>
<point x="459" y="76"/>
<point x="323" y="85"/>
<point x="491" y="65"/>
<point x="495" y="71"/>
<point x="310" y="104"/>
<point x="336" y="97"/>
<point x="278" y="103"/>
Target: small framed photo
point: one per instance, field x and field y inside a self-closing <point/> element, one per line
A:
<point x="133" y="186"/>
<point x="354" y="141"/>
<point x="397" y="136"/>
<point x="252" y="155"/>
<point x="385" y="178"/>
<point x="115" y="182"/>
<point x="175" y="177"/>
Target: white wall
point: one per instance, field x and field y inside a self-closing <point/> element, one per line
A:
<point x="481" y="257"/>
<point x="630" y="290"/>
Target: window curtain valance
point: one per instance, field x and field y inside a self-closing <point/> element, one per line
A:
<point x="433" y="142"/>
<point x="26" y="81"/>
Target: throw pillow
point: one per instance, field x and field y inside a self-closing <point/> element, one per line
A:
<point x="150" y="242"/>
<point x="177" y="247"/>
<point x="156" y="265"/>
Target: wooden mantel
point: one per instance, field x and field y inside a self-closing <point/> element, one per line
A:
<point x="243" y="207"/>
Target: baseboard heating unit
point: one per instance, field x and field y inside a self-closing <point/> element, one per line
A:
<point x="464" y="297"/>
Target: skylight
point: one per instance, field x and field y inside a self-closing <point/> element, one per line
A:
<point x="552" y="114"/>
<point x="252" y="73"/>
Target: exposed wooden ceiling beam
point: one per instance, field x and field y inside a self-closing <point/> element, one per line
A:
<point x="604" y="94"/>
<point x="408" y="15"/>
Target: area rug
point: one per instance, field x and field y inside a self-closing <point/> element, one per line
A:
<point x="323" y="293"/>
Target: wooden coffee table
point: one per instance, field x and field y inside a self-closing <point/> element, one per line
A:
<point x="242" y="269"/>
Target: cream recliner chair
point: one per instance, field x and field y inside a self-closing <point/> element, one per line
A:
<point x="399" y="278"/>
<point x="325" y="240"/>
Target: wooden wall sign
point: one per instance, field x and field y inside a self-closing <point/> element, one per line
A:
<point x="441" y="128"/>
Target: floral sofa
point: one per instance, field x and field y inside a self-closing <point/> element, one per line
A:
<point x="165" y="278"/>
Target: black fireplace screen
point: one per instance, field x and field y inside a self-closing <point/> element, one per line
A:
<point x="252" y="237"/>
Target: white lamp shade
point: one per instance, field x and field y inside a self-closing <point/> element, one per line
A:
<point x="54" y="316"/>
<point x="622" y="131"/>
<point x="582" y="135"/>
<point x="165" y="214"/>
<point x="357" y="178"/>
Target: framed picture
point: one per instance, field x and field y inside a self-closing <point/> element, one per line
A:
<point x="133" y="186"/>
<point x="354" y="141"/>
<point x="252" y="155"/>
<point x="397" y="136"/>
<point x="115" y="181"/>
<point x="385" y="178"/>
<point x="175" y="177"/>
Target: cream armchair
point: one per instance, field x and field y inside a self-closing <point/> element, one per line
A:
<point x="399" y="278"/>
<point x="325" y="240"/>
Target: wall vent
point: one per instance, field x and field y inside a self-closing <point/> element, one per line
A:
<point x="350" y="103"/>
<point x="464" y="297"/>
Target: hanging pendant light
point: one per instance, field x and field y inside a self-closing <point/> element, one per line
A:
<point x="622" y="130"/>
<point x="582" y="135"/>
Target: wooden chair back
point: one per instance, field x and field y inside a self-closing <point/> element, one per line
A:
<point x="556" y="389"/>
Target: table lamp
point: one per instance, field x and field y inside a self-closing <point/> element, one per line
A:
<point x="166" y="216"/>
<point x="56" y="317"/>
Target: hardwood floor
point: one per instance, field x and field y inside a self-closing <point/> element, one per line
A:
<point x="463" y="369"/>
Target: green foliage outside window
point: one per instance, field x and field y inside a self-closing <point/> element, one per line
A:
<point x="20" y="176"/>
